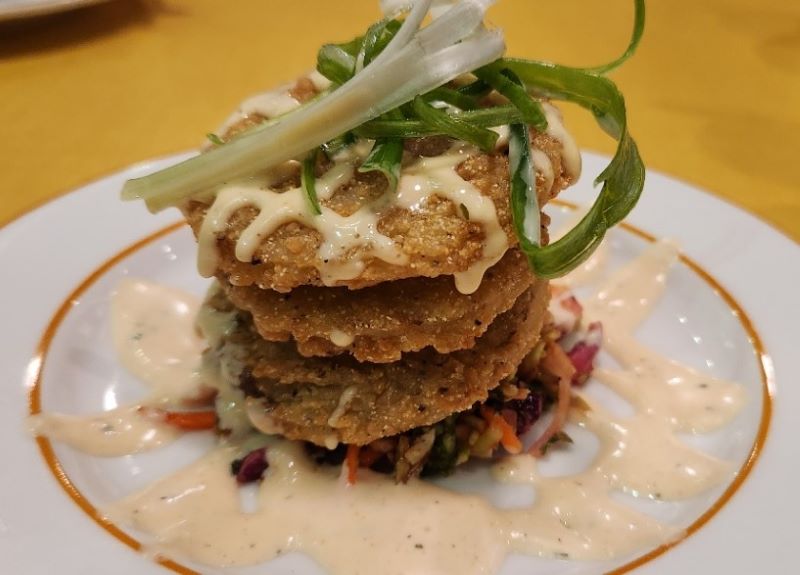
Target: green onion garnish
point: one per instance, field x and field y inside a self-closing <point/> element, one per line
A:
<point x="636" y="37"/>
<point x="214" y="139"/>
<point x="376" y="39"/>
<point x="412" y="63"/>
<point x="335" y="63"/>
<point x="452" y="97"/>
<point x="622" y="180"/>
<point x="308" y="182"/>
<point x="444" y="123"/>
<point x="386" y="157"/>
<point x="494" y="75"/>
<point x="336" y="145"/>
<point x="524" y="203"/>
<point x="483" y="118"/>
<point x="399" y="67"/>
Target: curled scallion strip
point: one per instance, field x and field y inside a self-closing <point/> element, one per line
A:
<point x="376" y="39"/>
<point x="452" y="97"/>
<point x="385" y="157"/>
<point x="476" y="89"/>
<point x="398" y="66"/>
<point x="531" y="109"/>
<point x="636" y="37"/>
<point x="444" y="123"/>
<point x="308" y="181"/>
<point x="335" y="63"/>
<point x="524" y="203"/>
<point x="416" y="128"/>
<point x="622" y="180"/>
<point x="413" y="63"/>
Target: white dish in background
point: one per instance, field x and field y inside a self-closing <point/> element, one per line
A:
<point x="14" y="9"/>
<point x="48" y="253"/>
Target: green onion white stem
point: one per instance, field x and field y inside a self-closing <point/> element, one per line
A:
<point x="396" y="76"/>
<point x="402" y="63"/>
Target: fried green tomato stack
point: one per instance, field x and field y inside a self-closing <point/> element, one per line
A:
<point x="395" y="359"/>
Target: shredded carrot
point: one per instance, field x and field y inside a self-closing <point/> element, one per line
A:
<point x="192" y="420"/>
<point x="558" y="363"/>
<point x="352" y="463"/>
<point x="185" y="420"/>
<point x="509" y="439"/>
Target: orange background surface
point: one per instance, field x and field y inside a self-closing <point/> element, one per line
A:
<point x="713" y="94"/>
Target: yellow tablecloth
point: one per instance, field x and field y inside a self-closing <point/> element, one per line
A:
<point x="713" y="94"/>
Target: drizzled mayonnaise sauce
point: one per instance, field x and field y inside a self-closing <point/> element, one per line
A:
<point x="438" y="176"/>
<point x="348" y="242"/>
<point x="155" y="340"/>
<point x="197" y="513"/>
<point x="121" y="431"/>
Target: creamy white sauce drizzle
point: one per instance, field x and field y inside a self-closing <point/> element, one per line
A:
<point x="544" y="167"/>
<point x="260" y="418"/>
<point x="348" y="242"/>
<point x="320" y="82"/>
<point x="270" y="104"/>
<point x="155" y="339"/>
<point x="121" y="431"/>
<point x="687" y="399"/>
<point x="341" y="408"/>
<point x="437" y="176"/>
<point x="376" y="526"/>
<point x="196" y="513"/>
<point x="503" y="134"/>
<point x="341" y="235"/>
<point x="571" y="155"/>
<point x="340" y="338"/>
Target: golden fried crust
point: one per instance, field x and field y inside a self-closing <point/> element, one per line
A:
<point x="386" y="320"/>
<point x="320" y="398"/>
<point x="435" y="237"/>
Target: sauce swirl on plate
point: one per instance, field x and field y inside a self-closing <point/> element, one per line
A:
<point x="197" y="512"/>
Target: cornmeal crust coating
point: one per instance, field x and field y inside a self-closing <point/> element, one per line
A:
<point x="341" y="399"/>
<point x="387" y="320"/>
<point x="436" y="237"/>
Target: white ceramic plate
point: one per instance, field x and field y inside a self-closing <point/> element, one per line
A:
<point x="48" y="254"/>
<point x="12" y="9"/>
